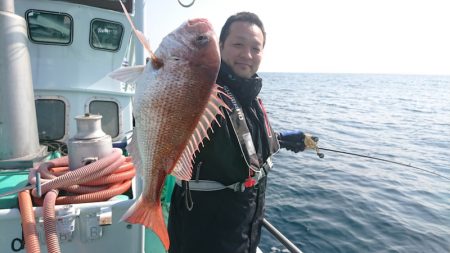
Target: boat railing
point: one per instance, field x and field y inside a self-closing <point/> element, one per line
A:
<point x="281" y="238"/>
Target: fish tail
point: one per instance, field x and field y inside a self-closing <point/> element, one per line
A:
<point x="151" y="216"/>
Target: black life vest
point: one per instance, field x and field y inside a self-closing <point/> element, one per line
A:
<point x="243" y="135"/>
<point x="224" y="221"/>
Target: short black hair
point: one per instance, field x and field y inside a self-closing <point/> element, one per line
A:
<point x="244" y="16"/>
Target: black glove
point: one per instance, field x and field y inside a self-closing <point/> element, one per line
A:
<point x="296" y="140"/>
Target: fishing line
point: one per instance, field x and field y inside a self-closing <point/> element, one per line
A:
<point x="379" y="159"/>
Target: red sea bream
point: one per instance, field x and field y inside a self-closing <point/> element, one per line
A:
<point x="175" y="103"/>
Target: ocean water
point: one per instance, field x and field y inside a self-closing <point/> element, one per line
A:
<point x="343" y="203"/>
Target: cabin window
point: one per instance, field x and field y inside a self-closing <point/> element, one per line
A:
<point x="110" y="115"/>
<point x="51" y="118"/>
<point x="105" y="35"/>
<point x="49" y="27"/>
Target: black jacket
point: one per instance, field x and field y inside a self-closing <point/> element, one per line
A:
<point x="225" y="221"/>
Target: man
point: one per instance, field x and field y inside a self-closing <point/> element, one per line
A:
<point x="221" y="208"/>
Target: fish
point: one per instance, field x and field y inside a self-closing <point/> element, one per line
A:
<point x="176" y="102"/>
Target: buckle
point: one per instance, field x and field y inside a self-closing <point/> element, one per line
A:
<point x="238" y="187"/>
<point x="250" y="182"/>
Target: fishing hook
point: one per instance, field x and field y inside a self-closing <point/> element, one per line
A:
<point x="186" y="5"/>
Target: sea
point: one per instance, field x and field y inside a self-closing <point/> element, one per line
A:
<point x="350" y="204"/>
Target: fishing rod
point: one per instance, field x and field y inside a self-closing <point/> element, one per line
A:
<point x="311" y="142"/>
<point x="385" y="160"/>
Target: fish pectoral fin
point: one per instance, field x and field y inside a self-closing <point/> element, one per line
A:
<point x="133" y="150"/>
<point x="127" y="74"/>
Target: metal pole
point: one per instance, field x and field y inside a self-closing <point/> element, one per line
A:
<point x="280" y="237"/>
<point x="19" y="138"/>
<point x="7" y="6"/>
<point x="139" y="22"/>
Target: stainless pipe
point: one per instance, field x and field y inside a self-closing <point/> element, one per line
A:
<point x="280" y="237"/>
<point x="7" y="6"/>
<point x="18" y="125"/>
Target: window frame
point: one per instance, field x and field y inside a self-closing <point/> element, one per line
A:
<point x="66" y="114"/>
<point x="119" y="112"/>
<point x="105" y="49"/>
<point x="49" y="42"/>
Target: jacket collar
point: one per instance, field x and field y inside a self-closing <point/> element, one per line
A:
<point x="245" y="89"/>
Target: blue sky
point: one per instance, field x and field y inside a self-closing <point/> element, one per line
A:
<point x="329" y="36"/>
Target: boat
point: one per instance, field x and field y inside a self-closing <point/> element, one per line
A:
<point x="57" y="101"/>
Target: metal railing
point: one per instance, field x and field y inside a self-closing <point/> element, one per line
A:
<point x="280" y="237"/>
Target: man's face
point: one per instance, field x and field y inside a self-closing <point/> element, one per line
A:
<point x="242" y="50"/>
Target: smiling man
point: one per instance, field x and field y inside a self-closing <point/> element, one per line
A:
<point x="241" y="45"/>
<point x="221" y="208"/>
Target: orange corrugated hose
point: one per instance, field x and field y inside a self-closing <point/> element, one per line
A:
<point x="98" y="181"/>
<point x="28" y="222"/>
<point x="51" y="235"/>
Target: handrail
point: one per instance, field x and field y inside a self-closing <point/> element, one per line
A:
<point x="280" y="237"/>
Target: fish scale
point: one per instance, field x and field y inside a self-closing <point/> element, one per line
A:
<point x="175" y="104"/>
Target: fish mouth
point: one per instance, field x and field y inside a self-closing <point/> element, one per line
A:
<point x="197" y="20"/>
<point x="202" y="24"/>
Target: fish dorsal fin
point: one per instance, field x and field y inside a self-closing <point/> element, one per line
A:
<point x="127" y="74"/>
<point x="141" y="37"/>
<point x="183" y="168"/>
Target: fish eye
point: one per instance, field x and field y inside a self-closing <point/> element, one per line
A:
<point x="201" y="39"/>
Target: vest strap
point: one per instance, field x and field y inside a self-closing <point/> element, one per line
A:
<point x="241" y="130"/>
<point x="210" y="185"/>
